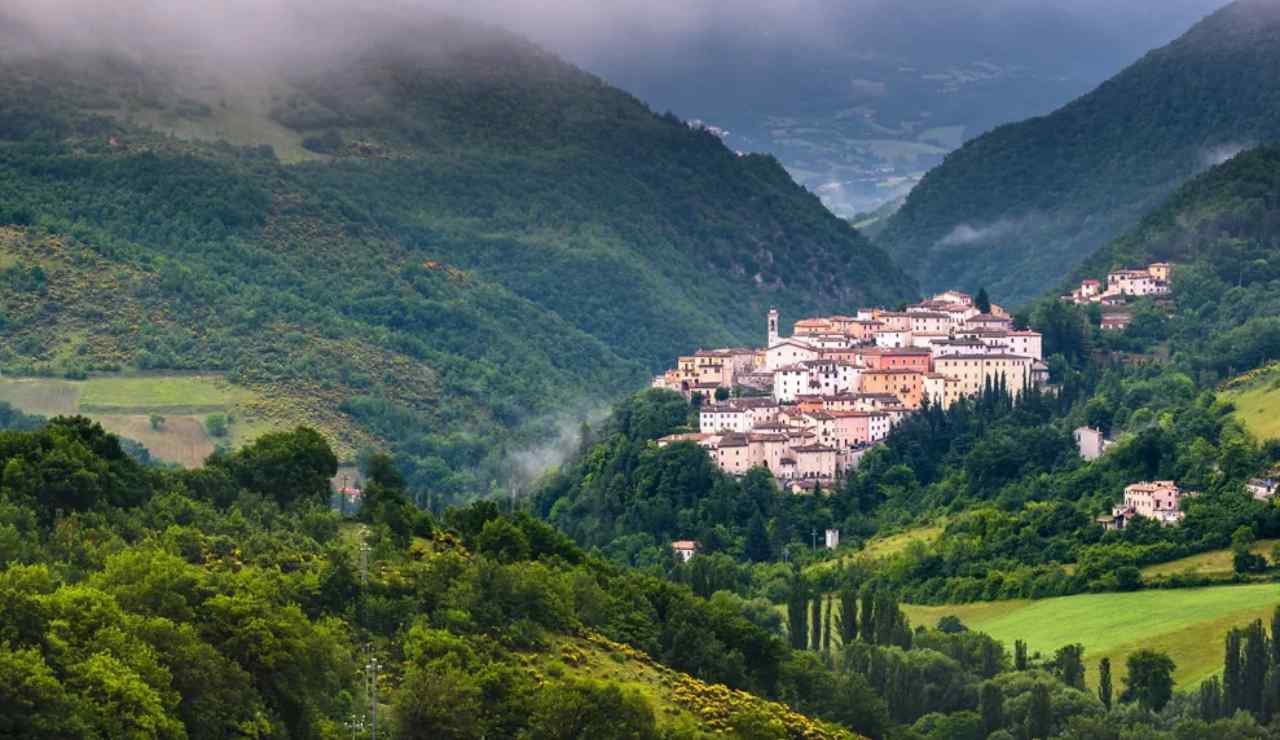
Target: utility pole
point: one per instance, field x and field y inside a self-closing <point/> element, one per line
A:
<point x="814" y="535"/>
<point x="371" y="675"/>
<point x="364" y="558"/>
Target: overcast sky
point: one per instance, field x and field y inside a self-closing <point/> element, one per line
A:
<point x="576" y="28"/>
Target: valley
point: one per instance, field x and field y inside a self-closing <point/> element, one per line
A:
<point x="374" y="372"/>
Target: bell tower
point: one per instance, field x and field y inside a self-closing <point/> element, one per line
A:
<point x="773" y="327"/>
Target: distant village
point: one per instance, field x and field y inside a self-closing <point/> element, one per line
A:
<point x="808" y="407"/>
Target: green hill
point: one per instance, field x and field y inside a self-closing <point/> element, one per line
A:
<point x="434" y="227"/>
<point x="1189" y="624"/>
<point x="1020" y="207"/>
<point x="1223" y="221"/>
<point x="1219" y="229"/>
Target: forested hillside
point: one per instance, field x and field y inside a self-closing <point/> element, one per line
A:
<point x="1019" y="208"/>
<point x="436" y="237"/>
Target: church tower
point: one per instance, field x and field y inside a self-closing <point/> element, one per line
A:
<point x="773" y="327"/>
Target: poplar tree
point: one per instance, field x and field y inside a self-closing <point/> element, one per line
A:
<point x="1270" y="696"/>
<point x="1209" y="700"/>
<point x="1104" y="682"/>
<point x="1275" y="637"/>
<point x="1257" y="655"/>
<point x="1019" y="655"/>
<point x="1068" y="665"/>
<point x="1040" y="713"/>
<point x="991" y="708"/>
<point x="1231" y="675"/>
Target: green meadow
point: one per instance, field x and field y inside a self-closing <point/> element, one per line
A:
<point x="1189" y="624"/>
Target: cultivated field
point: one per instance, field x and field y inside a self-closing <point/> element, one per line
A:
<point x="1257" y="403"/>
<point x="124" y="405"/>
<point x="1215" y="563"/>
<point x="1189" y="624"/>
<point x="887" y="546"/>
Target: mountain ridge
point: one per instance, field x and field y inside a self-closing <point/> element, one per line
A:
<point x="525" y="237"/>
<point x="1017" y="208"/>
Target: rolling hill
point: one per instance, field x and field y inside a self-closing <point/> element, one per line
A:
<point x="432" y="235"/>
<point x="1019" y="208"/>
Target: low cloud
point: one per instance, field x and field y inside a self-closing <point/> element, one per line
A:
<point x="1214" y="156"/>
<point x="967" y="234"/>
<point x="563" y="438"/>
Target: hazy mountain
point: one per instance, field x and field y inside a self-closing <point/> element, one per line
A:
<point x="426" y="223"/>
<point x="859" y="99"/>
<point x="1020" y="207"/>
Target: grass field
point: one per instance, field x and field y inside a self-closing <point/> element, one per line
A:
<point x="1215" y="563"/>
<point x="124" y="406"/>
<point x="1258" y="403"/>
<point x="1189" y="624"/>
<point x="887" y="546"/>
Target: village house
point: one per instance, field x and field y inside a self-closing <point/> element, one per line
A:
<point x="684" y="549"/>
<point x="921" y="340"/>
<point x="791" y="382"/>
<point x="1027" y="343"/>
<point x="1262" y="489"/>
<point x="941" y="390"/>
<point x="989" y="322"/>
<point x="974" y="371"/>
<point x="1135" y="283"/>
<point x="858" y="428"/>
<point x="1159" y="500"/>
<point x="894" y="320"/>
<point x="725" y="417"/>
<point x="815" y="462"/>
<point x="1116" y="321"/>
<point x="788" y="352"/>
<point x="890" y="338"/>
<point x="906" y="385"/>
<point x="930" y="323"/>
<point x="811" y="328"/>
<point x="954" y="296"/>
<point x="896" y="358"/>
<point x="971" y="346"/>
<point x="1090" y="442"/>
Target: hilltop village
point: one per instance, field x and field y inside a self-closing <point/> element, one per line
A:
<point x="809" y="406"/>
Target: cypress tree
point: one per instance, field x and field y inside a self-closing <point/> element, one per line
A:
<point x="991" y="708"/>
<point x="848" y="620"/>
<point x="1231" y="675"/>
<point x="869" y="615"/>
<point x="1019" y="655"/>
<point x="982" y="301"/>
<point x="797" y="611"/>
<point x="1104" y="682"/>
<point x="826" y="630"/>
<point x="758" y="549"/>
<point x="815" y="623"/>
